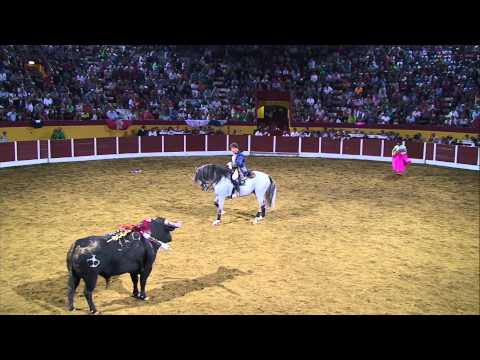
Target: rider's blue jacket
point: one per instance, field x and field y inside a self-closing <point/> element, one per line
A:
<point x="240" y="160"/>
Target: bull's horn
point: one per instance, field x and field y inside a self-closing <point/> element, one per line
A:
<point x="171" y="223"/>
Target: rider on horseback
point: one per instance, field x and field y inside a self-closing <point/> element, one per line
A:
<point x="238" y="163"/>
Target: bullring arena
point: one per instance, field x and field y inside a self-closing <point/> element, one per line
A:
<point x="346" y="236"/>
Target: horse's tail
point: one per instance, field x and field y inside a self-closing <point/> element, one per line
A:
<point x="271" y="193"/>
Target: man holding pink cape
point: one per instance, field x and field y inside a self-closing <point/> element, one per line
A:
<point x="400" y="160"/>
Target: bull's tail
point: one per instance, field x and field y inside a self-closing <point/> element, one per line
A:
<point x="271" y="193"/>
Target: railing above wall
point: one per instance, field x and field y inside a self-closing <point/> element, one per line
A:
<point x="20" y="153"/>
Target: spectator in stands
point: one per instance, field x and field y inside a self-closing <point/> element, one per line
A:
<point x="12" y="115"/>
<point x="4" y="138"/>
<point x="58" y="134"/>
<point x="142" y="131"/>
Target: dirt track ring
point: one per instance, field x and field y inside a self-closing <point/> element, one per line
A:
<point x="364" y="243"/>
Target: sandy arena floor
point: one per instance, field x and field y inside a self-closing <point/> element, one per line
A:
<point x="347" y="237"/>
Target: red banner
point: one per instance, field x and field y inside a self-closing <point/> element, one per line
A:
<point x="118" y="124"/>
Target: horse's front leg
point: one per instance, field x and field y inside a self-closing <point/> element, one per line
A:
<point x="219" y="203"/>
<point x="216" y="205"/>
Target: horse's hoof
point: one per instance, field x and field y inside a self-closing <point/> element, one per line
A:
<point x="257" y="220"/>
<point x="72" y="309"/>
<point x="96" y="312"/>
<point x="216" y="222"/>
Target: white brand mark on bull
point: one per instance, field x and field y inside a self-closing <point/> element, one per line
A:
<point x="95" y="262"/>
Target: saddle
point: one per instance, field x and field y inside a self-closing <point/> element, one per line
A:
<point x="235" y="175"/>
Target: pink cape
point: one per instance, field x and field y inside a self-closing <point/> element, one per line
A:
<point x="400" y="162"/>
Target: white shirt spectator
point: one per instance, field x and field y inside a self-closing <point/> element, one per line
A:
<point x="29" y="107"/>
<point x="112" y="115"/>
<point x="47" y="101"/>
<point x="12" y="116"/>
<point x="3" y="76"/>
<point x="294" y="133"/>
<point x="327" y="89"/>
<point x="453" y="114"/>
<point x="314" y="78"/>
<point x="94" y="117"/>
<point x="416" y="114"/>
<point x="310" y="101"/>
<point x="385" y="118"/>
<point x="258" y="133"/>
<point x="410" y="119"/>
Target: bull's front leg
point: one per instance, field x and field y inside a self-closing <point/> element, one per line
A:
<point x="143" y="282"/>
<point x="134" y="277"/>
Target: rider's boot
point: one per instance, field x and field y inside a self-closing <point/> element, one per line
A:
<point x="236" y="189"/>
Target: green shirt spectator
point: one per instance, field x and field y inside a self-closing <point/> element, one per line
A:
<point x="58" y="134"/>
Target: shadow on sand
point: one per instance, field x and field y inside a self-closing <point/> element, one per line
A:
<point x="392" y="177"/>
<point x="51" y="293"/>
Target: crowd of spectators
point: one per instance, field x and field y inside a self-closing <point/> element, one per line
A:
<point x="156" y="131"/>
<point x="333" y="134"/>
<point x="435" y="85"/>
<point x="328" y="84"/>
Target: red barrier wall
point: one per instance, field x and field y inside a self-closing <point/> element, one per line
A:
<point x="60" y="148"/>
<point x="351" y="147"/>
<point x="287" y="144"/>
<point x="195" y="142"/>
<point x="43" y="149"/>
<point x="262" y="143"/>
<point x="467" y="155"/>
<point x="151" y="144"/>
<point x="106" y="146"/>
<point x="330" y="146"/>
<point x="217" y="143"/>
<point x="7" y="151"/>
<point x="388" y="147"/>
<point x="83" y="147"/>
<point x="415" y="150"/>
<point x="372" y="147"/>
<point x="310" y="145"/>
<point x="173" y="143"/>
<point x="241" y="140"/>
<point x="27" y="150"/>
<point x="128" y="145"/>
<point x="445" y="153"/>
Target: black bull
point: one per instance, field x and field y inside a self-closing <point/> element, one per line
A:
<point x="99" y="255"/>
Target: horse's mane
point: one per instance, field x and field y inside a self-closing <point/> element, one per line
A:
<point x="210" y="173"/>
